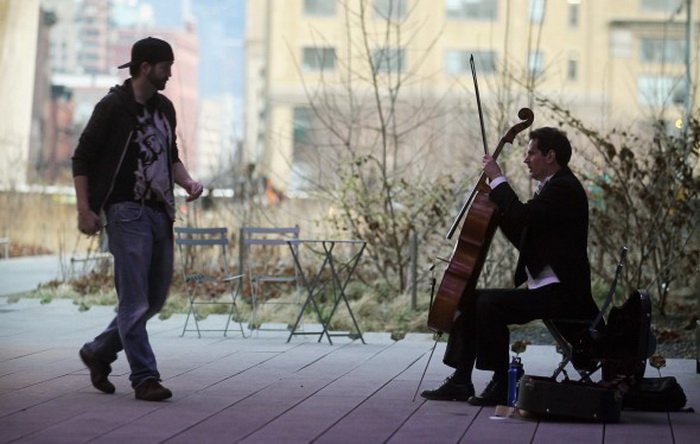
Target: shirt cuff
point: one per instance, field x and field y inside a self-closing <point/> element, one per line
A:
<point x="497" y="181"/>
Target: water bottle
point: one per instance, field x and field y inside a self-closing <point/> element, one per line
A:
<point x="515" y="372"/>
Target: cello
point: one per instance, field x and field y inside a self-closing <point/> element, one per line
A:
<point x="469" y="253"/>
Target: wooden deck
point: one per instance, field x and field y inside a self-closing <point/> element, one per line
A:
<point x="263" y="390"/>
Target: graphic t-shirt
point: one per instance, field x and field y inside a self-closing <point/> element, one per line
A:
<point x="143" y="176"/>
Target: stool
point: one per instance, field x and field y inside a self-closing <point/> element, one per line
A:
<point x="577" y="345"/>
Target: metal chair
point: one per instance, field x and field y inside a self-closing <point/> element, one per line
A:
<point x="204" y="264"/>
<point x="265" y="256"/>
<point x="571" y="338"/>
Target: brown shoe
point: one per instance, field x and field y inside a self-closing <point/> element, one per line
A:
<point x="151" y="390"/>
<point x="99" y="370"/>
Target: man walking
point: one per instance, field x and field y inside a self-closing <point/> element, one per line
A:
<point x="125" y="165"/>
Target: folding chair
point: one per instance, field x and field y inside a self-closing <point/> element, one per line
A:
<point x="569" y="334"/>
<point x="265" y="256"/>
<point x="204" y="265"/>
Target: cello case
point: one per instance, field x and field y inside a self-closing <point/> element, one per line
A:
<point x="569" y="399"/>
<point x="623" y="350"/>
<point x="628" y="340"/>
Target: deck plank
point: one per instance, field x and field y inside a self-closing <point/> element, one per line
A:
<point x="259" y="390"/>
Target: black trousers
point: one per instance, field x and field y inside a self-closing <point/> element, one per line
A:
<point x="480" y="336"/>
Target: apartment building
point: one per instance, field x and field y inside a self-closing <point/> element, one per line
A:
<point x="622" y="62"/>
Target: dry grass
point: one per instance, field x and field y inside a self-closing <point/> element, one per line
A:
<point x="47" y="222"/>
<point x="42" y="223"/>
<point x="372" y="311"/>
<point x="39" y="223"/>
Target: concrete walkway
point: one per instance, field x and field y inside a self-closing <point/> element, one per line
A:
<point x="22" y="274"/>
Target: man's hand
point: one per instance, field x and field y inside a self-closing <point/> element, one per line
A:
<point x="182" y="177"/>
<point x="89" y="223"/>
<point x="194" y="190"/>
<point x="491" y="168"/>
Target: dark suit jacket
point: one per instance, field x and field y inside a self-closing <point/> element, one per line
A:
<point x="550" y="229"/>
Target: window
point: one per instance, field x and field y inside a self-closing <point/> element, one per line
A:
<point x="573" y="13"/>
<point x="660" y="90"/>
<point x="389" y="60"/>
<point x="391" y="9"/>
<point x="318" y="59"/>
<point x="301" y="179"/>
<point x="319" y="7"/>
<point x="572" y="69"/>
<point x="471" y="9"/>
<point x="659" y="5"/>
<point x="302" y="119"/>
<point x="535" y="63"/>
<point x="662" y="50"/>
<point x="303" y="150"/>
<point x="621" y="43"/>
<point x="536" y="10"/>
<point x="457" y="62"/>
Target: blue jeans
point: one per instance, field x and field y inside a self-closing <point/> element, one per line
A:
<point x="141" y="241"/>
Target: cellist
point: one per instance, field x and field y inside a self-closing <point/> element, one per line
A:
<point x="550" y="232"/>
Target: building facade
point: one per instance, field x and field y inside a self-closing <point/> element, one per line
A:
<point x="625" y="62"/>
<point x="59" y="58"/>
<point x="20" y="69"/>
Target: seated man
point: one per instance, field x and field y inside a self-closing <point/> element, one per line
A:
<point x="551" y="233"/>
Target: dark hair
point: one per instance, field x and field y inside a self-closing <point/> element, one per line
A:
<point x="553" y="139"/>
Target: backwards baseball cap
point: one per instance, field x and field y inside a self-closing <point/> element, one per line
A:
<point x="151" y="50"/>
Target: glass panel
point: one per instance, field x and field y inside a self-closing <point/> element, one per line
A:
<point x="318" y="59"/>
<point x="457" y="62"/>
<point x="536" y="8"/>
<point x="319" y="7"/>
<point x="572" y="69"/>
<point x="662" y="50"/>
<point x="388" y="60"/>
<point x="391" y="9"/>
<point x="301" y="124"/>
<point x="536" y="62"/>
<point x="573" y="15"/>
<point x="621" y="43"/>
<point x="661" y="90"/>
<point x="660" y="5"/>
<point x="471" y="9"/>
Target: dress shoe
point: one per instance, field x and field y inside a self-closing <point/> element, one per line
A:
<point x="450" y="391"/>
<point x="495" y="393"/>
<point x="151" y="390"/>
<point x="99" y="370"/>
